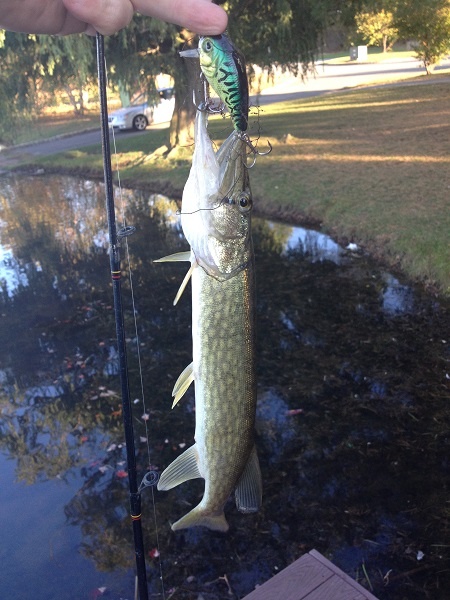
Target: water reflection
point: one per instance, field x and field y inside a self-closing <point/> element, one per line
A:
<point x="314" y="245"/>
<point x="397" y="298"/>
<point x="12" y="273"/>
<point x="352" y="418"/>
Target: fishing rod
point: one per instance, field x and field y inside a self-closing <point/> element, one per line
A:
<point x="114" y="257"/>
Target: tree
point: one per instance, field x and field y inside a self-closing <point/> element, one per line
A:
<point x="67" y="64"/>
<point x="17" y="82"/>
<point x="35" y="64"/>
<point x="284" y="33"/>
<point x="428" y="23"/>
<point x="377" y="28"/>
<point x="146" y="48"/>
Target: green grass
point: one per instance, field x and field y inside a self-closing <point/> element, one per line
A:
<point x="371" y="165"/>
<point x="50" y="126"/>
<point x="140" y="160"/>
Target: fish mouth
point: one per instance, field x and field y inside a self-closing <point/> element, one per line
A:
<point x="192" y="53"/>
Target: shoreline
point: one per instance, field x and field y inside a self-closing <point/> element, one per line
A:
<point x="288" y="215"/>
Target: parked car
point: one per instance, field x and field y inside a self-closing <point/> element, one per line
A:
<point x="139" y="114"/>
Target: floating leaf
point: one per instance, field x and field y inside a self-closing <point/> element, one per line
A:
<point x="294" y="411"/>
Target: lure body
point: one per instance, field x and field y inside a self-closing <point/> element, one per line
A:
<point x="223" y="65"/>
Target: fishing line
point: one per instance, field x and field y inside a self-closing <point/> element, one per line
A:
<point x="115" y="244"/>
<point x="150" y="479"/>
<point x="192" y="212"/>
<point x="124" y="233"/>
<point x="225" y="200"/>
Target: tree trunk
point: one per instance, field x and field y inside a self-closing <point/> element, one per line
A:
<point x="124" y="94"/>
<point x="187" y="87"/>
<point x="77" y="107"/>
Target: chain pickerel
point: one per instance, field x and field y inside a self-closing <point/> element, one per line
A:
<point x="216" y="220"/>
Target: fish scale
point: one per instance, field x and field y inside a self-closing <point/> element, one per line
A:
<point x="225" y="386"/>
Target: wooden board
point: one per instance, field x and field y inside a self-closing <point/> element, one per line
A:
<point x="311" y="577"/>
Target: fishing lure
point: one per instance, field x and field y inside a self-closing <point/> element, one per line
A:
<point x="223" y="66"/>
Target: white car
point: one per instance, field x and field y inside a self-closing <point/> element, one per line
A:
<point x="140" y="114"/>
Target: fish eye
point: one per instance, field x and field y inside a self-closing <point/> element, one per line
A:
<point x="207" y="45"/>
<point x="245" y="202"/>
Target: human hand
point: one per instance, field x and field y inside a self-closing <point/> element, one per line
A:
<point x="62" y="17"/>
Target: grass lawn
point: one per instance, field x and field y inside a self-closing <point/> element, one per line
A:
<point x="59" y="124"/>
<point x="370" y="165"/>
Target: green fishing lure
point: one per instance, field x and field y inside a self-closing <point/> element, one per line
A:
<point x="223" y="65"/>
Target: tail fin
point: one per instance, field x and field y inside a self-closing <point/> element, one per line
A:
<point x="198" y="517"/>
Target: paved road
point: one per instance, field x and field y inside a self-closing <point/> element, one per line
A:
<point x="329" y="77"/>
<point x="62" y="144"/>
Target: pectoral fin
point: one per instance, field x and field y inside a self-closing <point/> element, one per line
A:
<point x="184" y="283"/>
<point x="182" y="383"/>
<point x="249" y="489"/>
<point x="177" y="257"/>
<point x="182" y="469"/>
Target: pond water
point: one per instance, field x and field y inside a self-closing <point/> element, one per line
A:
<point x="352" y="423"/>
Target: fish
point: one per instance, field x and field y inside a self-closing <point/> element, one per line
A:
<point x="223" y="66"/>
<point x="216" y="221"/>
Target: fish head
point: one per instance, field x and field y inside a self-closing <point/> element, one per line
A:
<point x="212" y="51"/>
<point x="217" y="205"/>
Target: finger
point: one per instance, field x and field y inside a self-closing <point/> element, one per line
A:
<point x="30" y="16"/>
<point x="200" y="16"/>
<point x="104" y="16"/>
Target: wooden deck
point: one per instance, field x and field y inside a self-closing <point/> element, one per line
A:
<point x="311" y="577"/>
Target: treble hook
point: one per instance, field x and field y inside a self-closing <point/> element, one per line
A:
<point x="206" y="103"/>
<point x="245" y="138"/>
